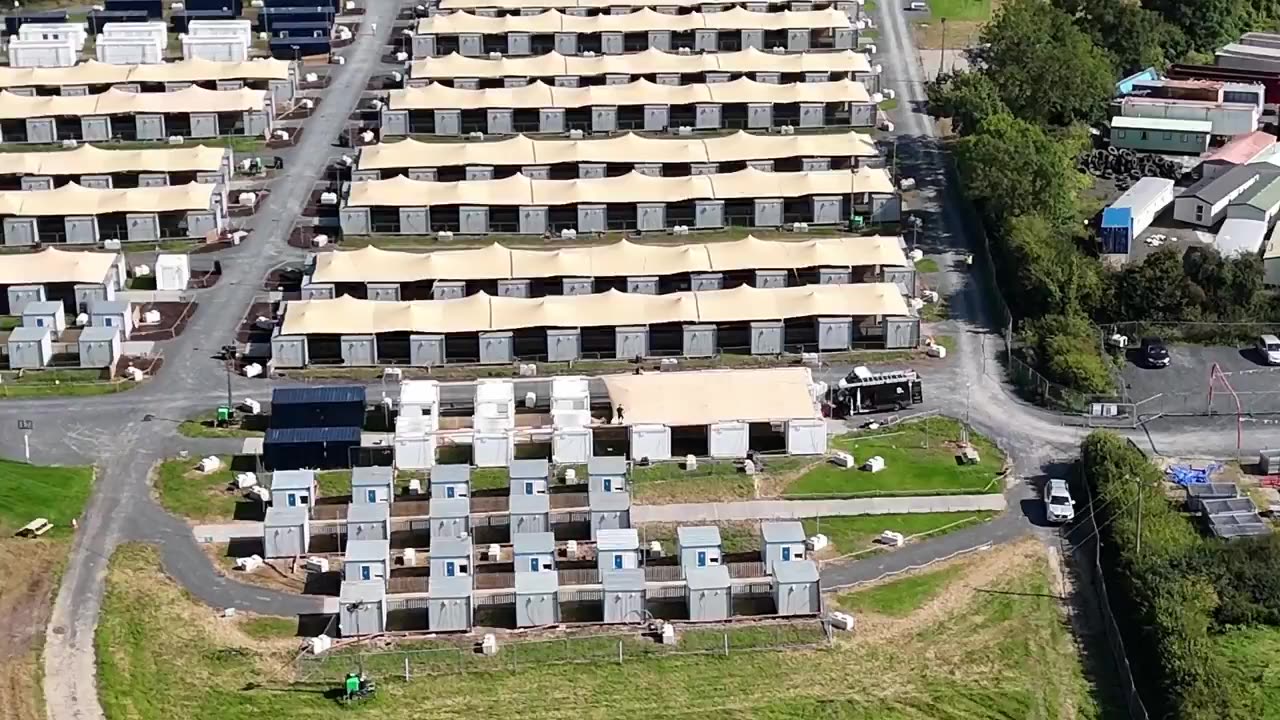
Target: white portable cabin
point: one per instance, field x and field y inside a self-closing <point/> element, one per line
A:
<point x="650" y="441"/>
<point x="99" y="347"/>
<point x="709" y="593"/>
<point x="367" y="560"/>
<point x="450" y="481"/>
<point x="415" y="443"/>
<point x="807" y="436"/>
<point x="76" y="32"/>
<point x="537" y="599"/>
<point x="242" y="29"/>
<point x="223" y="48"/>
<point x="493" y="425"/>
<point x="372" y="485"/>
<point x="286" y="532"/>
<point x="607" y="473"/>
<point x="369" y="521"/>
<point x="451" y="557"/>
<point x="534" y="552"/>
<point x="420" y="397"/>
<point x="609" y="511"/>
<point x="30" y="347"/>
<point x="112" y="313"/>
<point x="570" y="394"/>
<point x="570" y="420"/>
<point x="493" y="449"/>
<point x="698" y="547"/>
<point x="42" y="53"/>
<point x="728" y="440"/>
<point x="618" y="549"/>
<point x="795" y="588"/>
<point x="362" y="608"/>
<point x="781" y="541"/>
<point x="623" y="595"/>
<point x="128" y="51"/>
<point x="529" y="477"/>
<point x="571" y="445"/>
<point x="45" y="314"/>
<point x="293" y="488"/>
<point x="450" y="518"/>
<point x="173" y="271"/>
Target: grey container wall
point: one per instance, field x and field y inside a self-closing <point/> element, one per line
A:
<point x="795" y="588"/>
<point x="372" y="485"/>
<point x="709" y="594"/>
<point x="285" y="533"/>
<point x="362" y="608"/>
<point x="537" y="599"/>
<point x="623" y="596"/>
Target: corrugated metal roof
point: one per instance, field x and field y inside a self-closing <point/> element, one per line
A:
<point x="293" y="479"/>
<point x="537" y="583"/>
<point x="698" y="536"/>
<point x="372" y="476"/>
<point x="1121" y="122"/>
<point x="443" y="586"/>
<point x="529" y="504"/>
<point x="623" y="539"/>
<point x="609" y="501"/>
<point x="1264" y="195"/>
<point x="529" y="470"/>
<point x="363" y="550"/>
<point x="1243" y="148"/>
<point x="536" y="542"/>
<point x="1215" y="189"/>
<point x="450" y="548"/>
<point x="628" y="580"/>
<point x="368" y="512"/>
<point x="795" y="571"/>
<point x="286" y="436"/>
<point x="712" y="577"/>
<point x="450" y="507"/>
<point x="452" y="474"/>
<point x="318" y="394"/>
<point x="787" y="531"/>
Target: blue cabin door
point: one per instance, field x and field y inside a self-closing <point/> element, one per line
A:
<point x="450" y="569"/>
<point x="702" y="558"/>
<point x="364" y="573"/>
<point x="528" y="488"/>
<point x="786" y="553"/>
<point x="371" y="496"/>
<point x="293" y="500"/>
<point x="608" y="484"/>
<point x="533" y="564"/>
<point x="617" y="562"/>
<point x="449" y="492"/>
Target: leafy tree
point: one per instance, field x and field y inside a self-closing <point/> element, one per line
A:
<point x="1135" y="37"/>
<point x="1012" y="167"/>
<point x="1065" y="348"/>
<point x="968" y="98"/>
<point x="1156" y="289"/>
<point x="1206" y="24"/>
<point x="1044" y="68"/>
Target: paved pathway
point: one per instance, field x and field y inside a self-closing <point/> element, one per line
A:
<point x="795" y="509"/>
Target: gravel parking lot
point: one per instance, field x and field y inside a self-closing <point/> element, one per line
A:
<point x="1183" y="387"/>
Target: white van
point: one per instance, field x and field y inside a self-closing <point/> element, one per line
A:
<point x="1269" y="348"/>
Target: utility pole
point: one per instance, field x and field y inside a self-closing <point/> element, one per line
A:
<point x="228" y="357"/>
<point x="942" y="57"/>
<point x="1140" y="494"/>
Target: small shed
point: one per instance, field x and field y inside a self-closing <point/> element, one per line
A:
<point x="534" y="552"/>
<point x="709" y="593"/>
<point x="781" y="541"/>
<point x="450" y="517"/>
<point x="795" y="588"/>
<point x="99" y="347"/>
<point x="368" y="521"/>
<point x="419" y="397"/>
<point x="609" y="511"/>
<point x="450" y="481"/>
<point x="607" y="473"/>
<point x="449" y="604"/>
<point x="30" y="347"/>
<point x="173" y="271"/>
<point x="372" y="485"/>
<point x="537" y="599"/>
<point x="293" y="488"/>
<point x="362" y="608"/>
<point x="618" y="549"/>
<point x="286" y="532"/>
<point x="529" y="477"/>
<point x="624" y="595"/>
<point x="451" y="557"/>
<point x="698" y="546"/>
<point x="45" y="314"/>
<point x="367" y="560"/>
<point x="530" y="513"/>
<point x="112" y="313"/>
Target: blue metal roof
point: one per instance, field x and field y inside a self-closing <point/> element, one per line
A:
<point x="320" y="394"/>
<point x="1117" y="217"/>
<point x="312" y="435"/>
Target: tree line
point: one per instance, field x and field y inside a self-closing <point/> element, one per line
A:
<point x="1041" y="76"/>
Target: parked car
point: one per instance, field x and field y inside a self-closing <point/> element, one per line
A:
<point x="1058" y="505"/>
<point x="1269" y="349"/>
<point x="1155" y="353"/>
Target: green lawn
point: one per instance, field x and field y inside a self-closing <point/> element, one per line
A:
<point x="28" y="492"/>
<point x="189" y="493"/>
<point x="858" y="532"/>
<point x="669" y="482"/>
<point x="899" y="598"/>
<point x="927" y="265"/>
<point x="991" y="657"/>
<point x="1252" y="654"/>
<point x="735" y="537"/>
<point x="9" y="322"/>
<point x="935" y="312"/>
<point x="267" y="627"/>
<point x="960" y="10"/>
<point x="48" y="383"/>
<point x="910" y="467"/>
<point x="203" y="426"/>
<point x="889" y="104"/>
<point x="333" y="483"/>
<point x="490" y="479"/>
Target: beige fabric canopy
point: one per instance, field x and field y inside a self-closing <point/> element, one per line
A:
<point x="712" y="396"/>
<point x="517" y="189"/>
<point x="73" y="199"/>
<point x="647" y="62"/>
<point x="496" y="262"/>
<point x="93" y="72"/>
<point x="118" y="102"/>
<point x="87" y="160"/>
<point x="627" y="148"/>
<point x="481" y="312"/>
<point x="596" y="4"/>
<point x="638" y="92"/>
<point x="52" y="265"/>
<point x="642" y="20"/>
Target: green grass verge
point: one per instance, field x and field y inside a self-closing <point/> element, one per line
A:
<point x="9" y="322"/>
<point x="993" y="657"/>
<point x="203" y="426"/>
<point x="889" y="104"/>
<point x="670" y="482"/>
<point x="735" y="537"/>
<point x="927" y="265"/>
<point x="910" y="467"/>
<point x="28" y="492"/>
<point x="960" y="10"/>
<point x="859" y="532"/>
<point x="490" y="479"/>
<point x="189" y="493"/>
<point x="61" y="383"/>
<point x="935" y="312"/>
<point x="333" y="483"/>
<point x="266" y="627"/>
<point x="899" y="598"/>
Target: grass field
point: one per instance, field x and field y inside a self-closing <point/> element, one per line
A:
<point x="333" y="483"/>
<point x="48" y="383"/>
<point x="735" y="537"/>
<point x="965" y="656"/>
<point x="1254" y="654"/>
<point x="927" y="265"/>
<point x="187" y="492"/>
<point x="203" y="426"/>
<point x="960" y="10"/>
<point x="910" y="467"/>
<point x="900" y="598"/>
<point x="711" y="480"/>
<point x="490" y="479"/>
<point x="31" y="569"/>
<point x="858" y="532"/>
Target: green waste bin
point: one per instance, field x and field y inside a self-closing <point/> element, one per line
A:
<point x="224" y="413"/>
<point x="857" y="222"/>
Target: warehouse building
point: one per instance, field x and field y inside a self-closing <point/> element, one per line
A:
<point x="487" y="329"/>
<point x="624" y="266"/>
<point x="1205" y="203"/>
<point x="537" y="599"/>
<point x="1161" y="135"/>
<point x="632" y="202"/>
<point x="95" y="167"/>
<point x="548" y="159"/>
<point x="662" y="67"/>
<point x="193" y="112"/>
<point x="553" y="31"/>
<point x="637" y="105"/>
<point x="71" y="278"/>
<point x="591" y="8"/>
<point x="707" y="414"/>
<point x="279" y="77"/>
<point x="74" y="215"/>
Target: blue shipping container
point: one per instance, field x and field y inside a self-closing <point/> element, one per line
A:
<point x="317" y="448"/>
<point x="1117" y="230"/>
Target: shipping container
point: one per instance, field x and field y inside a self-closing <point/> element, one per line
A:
<point x="317" y="448"/>
<point x="153" y="8"/>
<point x="316" y="407"/>
<point x="13" y="22"/>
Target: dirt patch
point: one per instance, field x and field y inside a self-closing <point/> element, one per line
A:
<point x="274" y="574"/>
<point x="771" y="485"/>
<point x="30" y="569"/>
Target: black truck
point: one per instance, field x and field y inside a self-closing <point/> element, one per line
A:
<point x="863" y="391"/>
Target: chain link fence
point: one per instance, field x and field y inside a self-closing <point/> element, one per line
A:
<point x="382" y="660"/>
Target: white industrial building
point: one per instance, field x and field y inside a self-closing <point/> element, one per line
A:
<point x="1229" y="119"/>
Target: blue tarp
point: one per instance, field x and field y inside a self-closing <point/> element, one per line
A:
<point x="1186" y="475"/>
